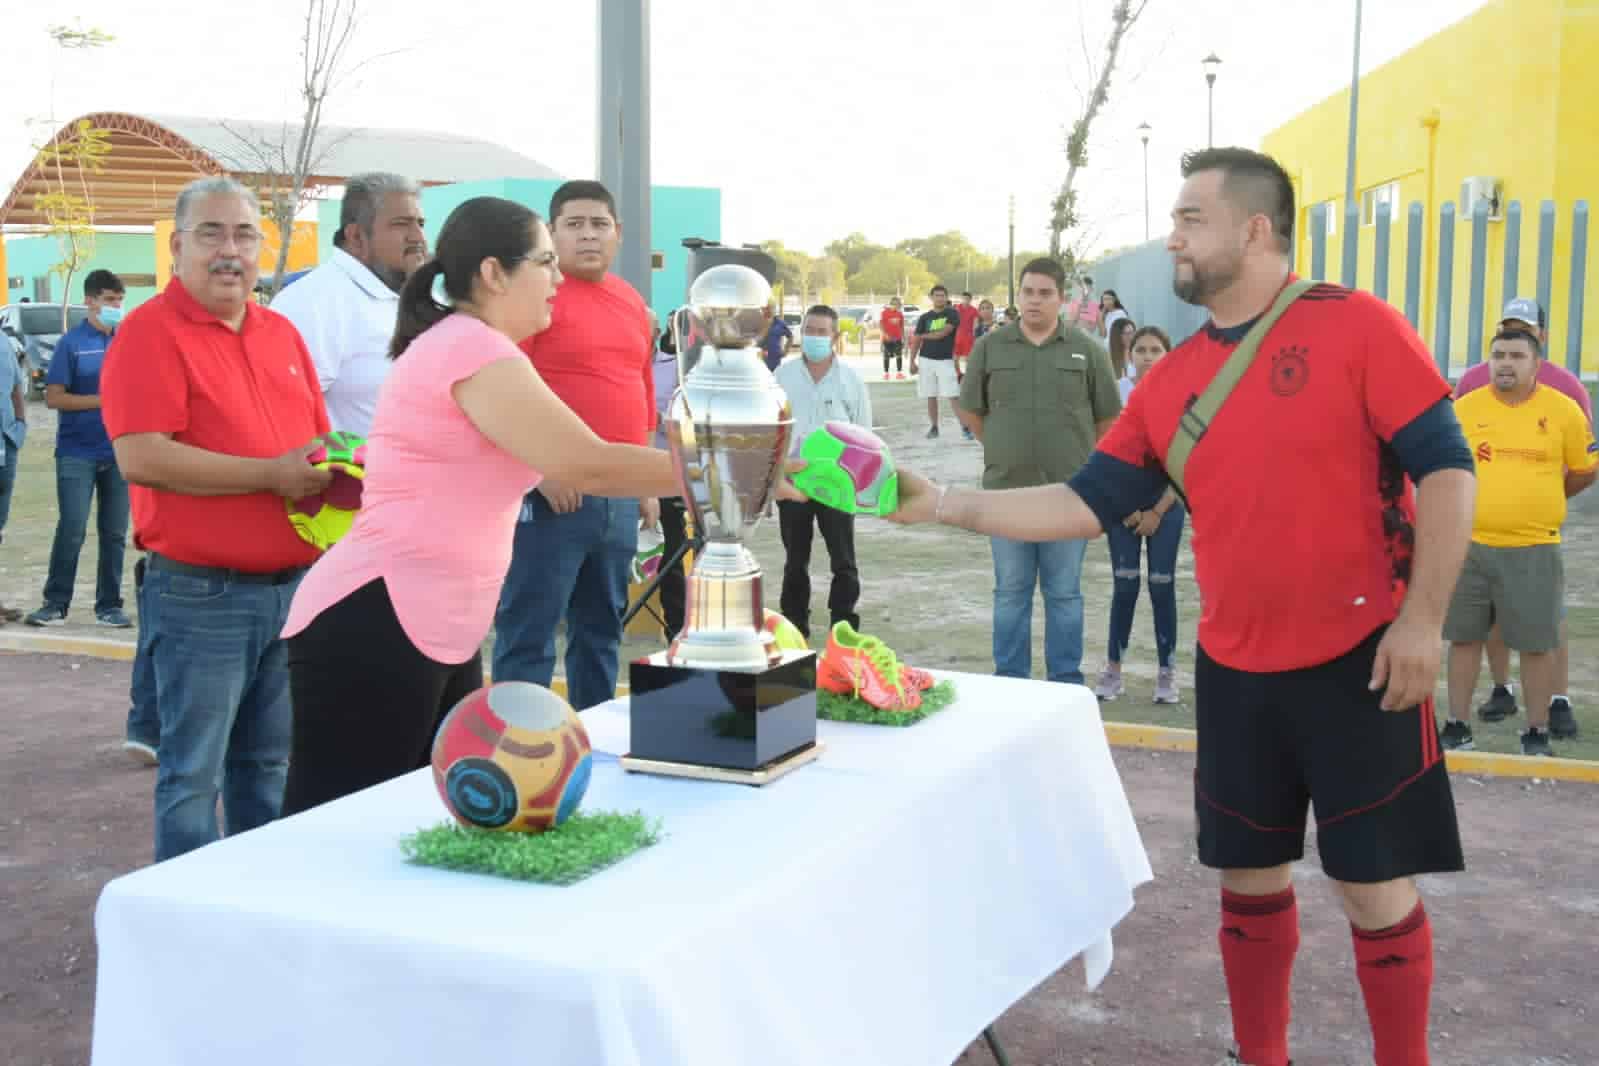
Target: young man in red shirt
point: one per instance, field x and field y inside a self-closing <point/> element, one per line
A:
<point x="212" y="405"/>
<point x="1326" y="582"/>
<point x="966" y="333"/>
<point x="892" y="324"/>
<point x="574" y="553"/>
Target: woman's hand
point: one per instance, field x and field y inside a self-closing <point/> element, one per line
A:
<point x="1149" y="521"/>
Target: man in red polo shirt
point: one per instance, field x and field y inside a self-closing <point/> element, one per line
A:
<point x="574" y="553"/>
<point x="892" y="323"/>
<point x="1326" y="580"/>
<point x="212" y="405"/>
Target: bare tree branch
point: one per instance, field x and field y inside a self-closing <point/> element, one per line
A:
<point x="1063" y="209"/>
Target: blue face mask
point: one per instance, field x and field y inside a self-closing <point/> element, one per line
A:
<point x="817" y="349"/>
<point x="110" y="316"/>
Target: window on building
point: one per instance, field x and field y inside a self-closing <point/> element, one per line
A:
<point x="1387" y="193"/>
<point x="1329" y="209"/>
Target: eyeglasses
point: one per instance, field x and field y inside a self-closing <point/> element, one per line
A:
<point x="215" y="235"/>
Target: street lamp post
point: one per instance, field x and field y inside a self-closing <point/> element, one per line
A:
<point x="1210" y="63"/>
<point x="1010" y="272"/>
<point x="1143" y="135"/>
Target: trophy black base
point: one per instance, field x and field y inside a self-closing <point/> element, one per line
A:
<point x="750" y="726"/>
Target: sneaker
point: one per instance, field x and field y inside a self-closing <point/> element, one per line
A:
<point x="932" y="434"/>
<point x="864" y="668"/>
<point x="1232" y="1059"/>
<point x="1536" y="742"/>
<point x="1456" y="736"/>
<point x="1499" y="706"/>
<point x="1562" y="723"/>
<point x="1109" y="685"/>
<point x="9" y="614"/>
<point x="1166" y="685"/>
<point x="967" y="434"/>
<point x="142" y="752"/>
<point x="48" y="615"/>
<point x="114" y="618"/>
<point x="885" y="375"/>
<point x="916" y="678"/>
<point x="899" y="377"/>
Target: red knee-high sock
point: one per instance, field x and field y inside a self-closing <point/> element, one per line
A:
<point x="1259" y="936"/>
<point x="1395" y="968"/>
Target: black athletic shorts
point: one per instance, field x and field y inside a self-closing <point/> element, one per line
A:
<point x="892" y="348"/>
<point x="1271" y="745"/>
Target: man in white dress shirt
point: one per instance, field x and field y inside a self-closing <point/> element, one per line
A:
<point x="820" y="389"/>
<point x="345" y="308"/>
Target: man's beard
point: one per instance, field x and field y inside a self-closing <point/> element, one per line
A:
<point x="1205" y="284"/>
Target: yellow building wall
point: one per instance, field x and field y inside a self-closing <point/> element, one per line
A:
<point x="1510" y="92"/>
<point x="302" y="249"/>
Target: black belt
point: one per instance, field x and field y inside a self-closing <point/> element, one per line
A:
<point x="172" y="566"/>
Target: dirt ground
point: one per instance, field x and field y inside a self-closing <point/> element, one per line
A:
<point x="1515" y="934"/>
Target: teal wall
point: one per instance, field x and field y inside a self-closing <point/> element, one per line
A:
<point x="676" y="212"/>
<point x="121" y="253"/>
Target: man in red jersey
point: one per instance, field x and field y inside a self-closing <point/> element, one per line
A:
<point x="212" y="405"/>
<point x="892" y="323"/>
<point x="573" y="553"/>
<point x="1326" y="581"/>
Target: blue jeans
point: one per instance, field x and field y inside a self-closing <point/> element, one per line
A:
<point x="144" y="724"/>
<point x="10" y="454"/>
<point x="222" y="693"/>
<point x="1126" y="561"/>
<point x="1057" y="567"/>
<point x="78" y="481"/>
<point x="572" y="566"/>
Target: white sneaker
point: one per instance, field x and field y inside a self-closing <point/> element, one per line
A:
<point x="141" y="751"/>
<point x="1166" y="685"/>
<point x="1110" y="684"/>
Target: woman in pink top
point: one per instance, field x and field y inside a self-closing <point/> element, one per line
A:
<point x="384" y="632"/>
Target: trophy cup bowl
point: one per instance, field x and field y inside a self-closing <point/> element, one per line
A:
<point x="723" y="701"/>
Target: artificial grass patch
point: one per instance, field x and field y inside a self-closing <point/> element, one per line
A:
<point x="584" y="844"/>
<point x="837" y="708"/>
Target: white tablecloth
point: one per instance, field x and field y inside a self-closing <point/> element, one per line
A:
<point x="881" y="905"/>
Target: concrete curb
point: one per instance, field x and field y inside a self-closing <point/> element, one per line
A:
<point x="1120" y="734"/>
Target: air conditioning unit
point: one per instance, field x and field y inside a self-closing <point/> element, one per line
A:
<point x="1486" y="190"/>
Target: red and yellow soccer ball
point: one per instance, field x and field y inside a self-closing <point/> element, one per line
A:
<point x="785" y="633"/>
<point x="512" y="756"/>
<point x="324" y="518"/>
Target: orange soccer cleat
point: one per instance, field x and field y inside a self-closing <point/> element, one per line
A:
<point x="863" y="667"/>
<point x="916" y="678"/>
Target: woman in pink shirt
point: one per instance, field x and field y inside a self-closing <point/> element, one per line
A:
<point x="384" y="632"/>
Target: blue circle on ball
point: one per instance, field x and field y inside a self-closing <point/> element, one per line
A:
<point x="576" y="785"/>
<point x="481" y="792"/>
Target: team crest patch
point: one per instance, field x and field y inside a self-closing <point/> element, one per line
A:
<point x="1289" y="370"/>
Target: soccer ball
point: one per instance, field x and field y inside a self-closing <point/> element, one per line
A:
<point x="647" y="560"/>
<point x="849" y="469"/>
<point x="324" y="518"/>
<point x="512" y="756"/>
<point x="785" y="633"/>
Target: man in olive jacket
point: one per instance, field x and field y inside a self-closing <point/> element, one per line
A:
<point x="1038" y="394"/>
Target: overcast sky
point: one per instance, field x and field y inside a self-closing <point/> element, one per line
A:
<point x="814" y="119"/>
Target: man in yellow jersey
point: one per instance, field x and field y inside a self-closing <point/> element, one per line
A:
<point x="1534" y="450"/>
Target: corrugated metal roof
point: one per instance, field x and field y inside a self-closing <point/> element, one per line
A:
<point x="424" y="155"/>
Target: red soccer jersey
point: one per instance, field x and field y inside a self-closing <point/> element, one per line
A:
<point x="596" y="357"/>
<point x="175" y="368"/>
<point x="964" y="333"/>
<point x="1304" y="522"/>
<point x="893" y="324"/>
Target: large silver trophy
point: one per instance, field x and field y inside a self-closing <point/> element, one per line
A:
<point x="723" y="701"/>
